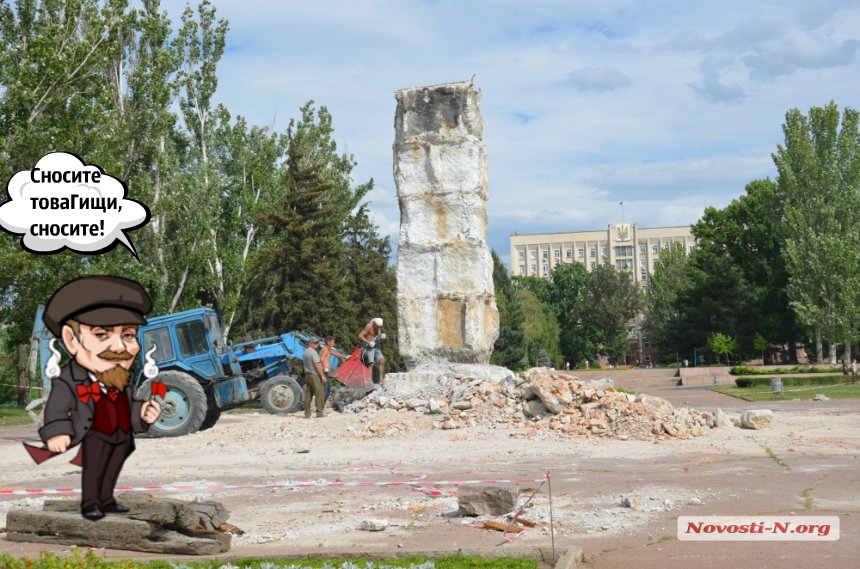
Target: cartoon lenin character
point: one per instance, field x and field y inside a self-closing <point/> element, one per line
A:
<point x="91" y="401"/>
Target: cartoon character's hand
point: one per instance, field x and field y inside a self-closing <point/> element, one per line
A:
<point x="149" y="411"/>
<point x="59" y="444"/>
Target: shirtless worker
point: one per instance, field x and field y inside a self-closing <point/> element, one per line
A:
<point x="371" y="354"/>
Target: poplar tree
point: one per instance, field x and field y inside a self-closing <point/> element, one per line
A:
<point x="510" y="348"/>
<point x="819" y="180"/>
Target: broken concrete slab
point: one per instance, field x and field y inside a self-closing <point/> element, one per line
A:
<point x="152" y="526"/>
<point x="487" y="499"/>
<point x="757" y="419"/>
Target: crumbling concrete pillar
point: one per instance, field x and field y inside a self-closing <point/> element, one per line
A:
<point x="445" y="299"/>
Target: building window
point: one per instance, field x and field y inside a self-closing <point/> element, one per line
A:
<point x="654" y="249"/>
<point x="557" y="253"/>
<point x="522" y="269"/>
<point x="624" y="264"/>
<point x="580" y="253"/>
<point x="606" y="251"/>
<point x="642" y="249"/>
<point x="646" y="359"/>
<point x="592" y="252"/>
<point x="533" y="255"/>
<point x="522" y="255"/>
<point x="593" y="265"/>
<point x="545" y="268"/>
<point x="643" y="264"/>
<point x="534" y="269"/>
<point x="643" y="276"/>
<point x="570" y="253"/>
<point x="691" y="247"/>
<point x="544" y="255"/>
<point x="624" y="251"/>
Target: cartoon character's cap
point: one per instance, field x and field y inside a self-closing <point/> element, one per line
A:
<point x="97" y="301"/>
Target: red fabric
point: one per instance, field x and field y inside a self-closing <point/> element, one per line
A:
<point x="93" y="389"/>
<point x="353" y="373"/>
<point x="159" y="389"/>
<point x="111" y="415"/>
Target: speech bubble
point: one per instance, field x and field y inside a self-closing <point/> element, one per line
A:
<point x="64" y="203"/>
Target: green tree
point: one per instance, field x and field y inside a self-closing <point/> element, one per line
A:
<point x="819" y="179"/>
<point x="662" y="324"/>
<point x="721" y="344"/>
<point x="540" y="327"/>
<point x="569" y="297"/>
<point x="542" y="288"/>
<point x="751" y="232"/>
<point x="370" y="286"/>
<point x="510" y="347"/>
<point x="250" y="176"/>
<point x="760" y="345"/>
<point x="300" y="281"/>
<point x="613" y="300"/>
<point x="715" y="298"/>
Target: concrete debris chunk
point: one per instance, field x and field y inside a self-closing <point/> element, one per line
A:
<point x="631" y="501"/>
<point x="543" y="402"/>
<point x="373" y="525"/>
<point x="154" y="525"/>
<point x="757" y="419"/>
<point x="487" y="499"/>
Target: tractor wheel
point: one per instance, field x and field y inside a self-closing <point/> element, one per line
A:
<point x="281" y="395"/>
<point x="213" y="413"/>
<point x="184" y="407"/>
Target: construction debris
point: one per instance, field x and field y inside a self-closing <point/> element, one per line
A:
<point x="154" y="525"/>
<point x="487" y="499"/>
<point x="544" y="402"/>
<point x="500" y="526"/>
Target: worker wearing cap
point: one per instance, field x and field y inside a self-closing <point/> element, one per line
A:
<point x="91" y="401"/>
<point x="315" y="379"/>
<point x="371" y="354"/>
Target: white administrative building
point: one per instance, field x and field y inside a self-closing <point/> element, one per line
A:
<point x="625" y="247"/>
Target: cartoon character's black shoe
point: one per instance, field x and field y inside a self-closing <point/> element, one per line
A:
<point x="93" y="513"/>
<point x="115" y="508"/>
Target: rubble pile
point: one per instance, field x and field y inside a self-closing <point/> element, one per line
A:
<point x="545" y="402"/>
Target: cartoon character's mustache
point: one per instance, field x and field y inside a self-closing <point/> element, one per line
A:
<point x="116" y="356"/>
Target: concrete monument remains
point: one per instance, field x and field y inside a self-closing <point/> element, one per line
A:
<point x="446" y="303"/>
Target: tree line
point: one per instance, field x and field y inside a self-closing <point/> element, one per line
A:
<point x="268" y="227"/>
<point x="777" y="268"/>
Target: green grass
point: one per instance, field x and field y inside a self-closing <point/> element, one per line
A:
<point x="91" y="560"/>
<point x="12" y="416"/>
<point x="802" y="392"/>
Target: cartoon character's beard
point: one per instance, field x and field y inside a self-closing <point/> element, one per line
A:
<point x="115" y="377"/>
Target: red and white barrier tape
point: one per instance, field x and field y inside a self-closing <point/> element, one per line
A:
<point x="296" y="486"/>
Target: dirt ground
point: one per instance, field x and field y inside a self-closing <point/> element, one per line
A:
<point x="808" y="463"/>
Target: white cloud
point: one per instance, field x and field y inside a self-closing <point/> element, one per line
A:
<point x="598" y="79"/>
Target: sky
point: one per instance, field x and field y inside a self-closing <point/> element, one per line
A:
<point x="667" y="106"/>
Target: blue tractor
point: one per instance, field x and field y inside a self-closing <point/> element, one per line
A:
<point x="205" y="375"/>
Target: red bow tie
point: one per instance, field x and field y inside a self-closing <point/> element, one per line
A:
<point x="159" y="389"/>
<point x="93" y="389"/>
